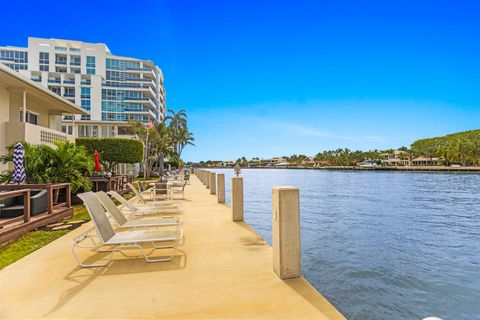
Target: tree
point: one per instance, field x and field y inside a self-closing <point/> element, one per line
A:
<point x="161" y="144"/>
<point x="184" y="138"/>
<point x="178" y="120"/>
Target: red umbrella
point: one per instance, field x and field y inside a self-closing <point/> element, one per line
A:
<point x="97" y="161"/>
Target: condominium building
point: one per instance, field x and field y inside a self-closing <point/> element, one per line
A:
<point x="112" y="89"/>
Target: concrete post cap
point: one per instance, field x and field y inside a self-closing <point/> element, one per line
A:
<point x="284" y="188"/>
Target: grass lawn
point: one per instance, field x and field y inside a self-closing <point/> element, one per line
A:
<point x="36" y="239"/>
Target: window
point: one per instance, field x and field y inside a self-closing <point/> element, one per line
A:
<point x="14" y="56"/>
<point x="85" y="93"/>
<point x="83" y="131"/>
<point x="56" y="90"/>
<point x="67" y="129"/>
<point x="86" y="104"/>
<point x="61" y="69"/>
<point x="90" y="62"/>
<point x="75" y="60"/>
<point x="60" y="59"/>
<point x="30" y="118"/>
<point x="44" y="58"/>
<point x="69" y="92"/>
<point x="90" y="65"/>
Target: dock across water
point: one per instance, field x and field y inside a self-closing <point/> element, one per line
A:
<point x="223" y="271"/>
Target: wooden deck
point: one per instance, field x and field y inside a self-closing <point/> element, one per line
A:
<point x="12" y="228"/>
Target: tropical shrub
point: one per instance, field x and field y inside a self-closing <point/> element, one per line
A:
<point x="113" y="150"/>
<point x="67" y="163"/>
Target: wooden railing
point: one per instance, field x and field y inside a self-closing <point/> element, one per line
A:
<point x="26" y="204"/>
<point x="50" y="192"/>
<point x="116" y="183"/>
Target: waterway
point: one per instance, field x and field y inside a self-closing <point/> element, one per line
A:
<point x="381" y="245"/>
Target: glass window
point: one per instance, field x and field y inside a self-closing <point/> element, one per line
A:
<point x="90" y="62"/>
<point x="30" y="118"/>
<point x="90" y="71"/>
<point x="44" y="58"/>
<point x="85" y="93"/>
<point x="86" y="104"/>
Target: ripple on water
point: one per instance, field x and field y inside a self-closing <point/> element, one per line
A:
<point x="382" y="245"/>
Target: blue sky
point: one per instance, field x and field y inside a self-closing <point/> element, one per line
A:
<point x="267" y="78"/>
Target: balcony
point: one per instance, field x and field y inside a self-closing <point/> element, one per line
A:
<point x="62" y="62"/>
<point x="54" y="81"/>
<point x="69" y="95"/>
<point x="31" y="133"/>
<point x="86" y="82"/>
<point x="74" y="63"/>
<point x="68" y="81"/>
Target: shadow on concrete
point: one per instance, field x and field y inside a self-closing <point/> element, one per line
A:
<point x="310" y="294"/>
<point x="82" y="277"/>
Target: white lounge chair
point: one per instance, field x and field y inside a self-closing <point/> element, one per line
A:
<point x="173" y="208"/>
<point x="106" y="236"/>
<point x="122" y="221"/>
<point x="149" y="202"/>
<point x="178" y="189"/>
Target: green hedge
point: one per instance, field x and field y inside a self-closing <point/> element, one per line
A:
<point x="114" y="150"/>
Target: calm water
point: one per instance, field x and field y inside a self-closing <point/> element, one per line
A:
<point x="382" y="245"/>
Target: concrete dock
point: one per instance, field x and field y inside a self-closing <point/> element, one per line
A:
<point x="224" y="271"/>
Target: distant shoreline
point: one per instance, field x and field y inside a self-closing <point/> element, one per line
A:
<point x="355" y="168"/>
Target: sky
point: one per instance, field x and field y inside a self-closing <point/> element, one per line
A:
<point x="272" y="78"/>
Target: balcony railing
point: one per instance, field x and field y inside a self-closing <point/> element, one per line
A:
<point x="73" y="63"/>
<point x="34" y="134"/>
<point x="54" y="81"/>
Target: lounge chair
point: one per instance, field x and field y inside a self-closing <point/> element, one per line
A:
<point x="149" y="202"/>
<point x="169" y="207"/>
<point x="123" y="222"/>
<point x="178" y="189"/>
<point x="106" y="236"/>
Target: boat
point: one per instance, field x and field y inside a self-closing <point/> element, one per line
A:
<point x="367" y="164"/>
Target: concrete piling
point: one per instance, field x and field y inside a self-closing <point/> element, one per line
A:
<point x="237" y="199"/>
<point x="212" y="183"/>
<point x="221" y="188"/>
<point x="286" y="232"/>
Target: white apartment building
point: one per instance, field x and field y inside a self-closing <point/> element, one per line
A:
<point x="112" y="89"/>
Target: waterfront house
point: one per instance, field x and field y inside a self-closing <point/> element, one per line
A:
<point x="396" y="158"/>
<point x="424" y="161"/>
<point x="30" y="112"/>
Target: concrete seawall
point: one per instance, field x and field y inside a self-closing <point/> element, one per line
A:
<point x="224" y="271"/>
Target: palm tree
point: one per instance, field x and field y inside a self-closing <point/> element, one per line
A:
<point x="185" y="137"/>
<point x="178" y="120"/>
<point x="162" y="143"/>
